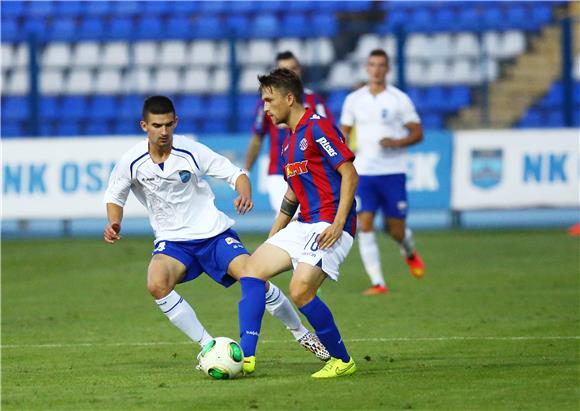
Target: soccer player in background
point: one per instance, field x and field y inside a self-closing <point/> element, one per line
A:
<point x="263" y="126"/>
<point x="321" y="179"/>
<point x="387" y="123"/>
<point x="165" y="172"/>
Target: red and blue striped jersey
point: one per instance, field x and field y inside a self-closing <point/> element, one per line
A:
<point x="263" y="125"/>
<point x="311" y="156"/>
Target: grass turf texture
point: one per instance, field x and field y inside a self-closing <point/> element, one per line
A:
<point x="80" y="332"/>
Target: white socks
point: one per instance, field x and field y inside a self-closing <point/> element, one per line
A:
<point x="183" y="317"/>
<point x="407" y="246"/>
<point x="371" y="258"/>
<point x="280" y="307"/>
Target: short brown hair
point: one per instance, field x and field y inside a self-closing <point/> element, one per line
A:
<point x="283" y="79"/>
<point x="381" y="53"/>
<point x="157" y="105"/>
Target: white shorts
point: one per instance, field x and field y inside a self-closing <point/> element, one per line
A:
<point x="299" y="240"/>
<point x="277" y="187"/>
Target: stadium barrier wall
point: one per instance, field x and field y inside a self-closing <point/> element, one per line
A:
<point x="65" y="178"/>
<point x="498" y="169"/>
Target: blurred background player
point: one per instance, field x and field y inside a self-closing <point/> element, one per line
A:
<point x="387" y="123"/>
<point x="322" y="180"/>
<point x="263" y="126"/>
<point x="165" y="172"/>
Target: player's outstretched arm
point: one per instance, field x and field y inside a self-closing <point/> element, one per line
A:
<point x="287" y="211"/>
<point x="348" y="185"/>
<point x="113" y="228"/>
<point x="243" y="202"/>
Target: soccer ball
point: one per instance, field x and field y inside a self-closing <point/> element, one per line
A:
<point x="222" y="358"/>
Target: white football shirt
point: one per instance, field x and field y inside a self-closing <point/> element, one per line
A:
<point x="376" y="117"/>
<point x="179" y="201"/>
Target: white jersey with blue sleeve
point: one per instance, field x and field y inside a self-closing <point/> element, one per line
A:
<point x="179" y="201"/>
<point x="376" y="117"/>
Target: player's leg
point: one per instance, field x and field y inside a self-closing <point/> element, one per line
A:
<point x="163" y="274"/>
<point x="267" y="261"/>
<point x="395" y="211"/>
<point x="368" y="202"/>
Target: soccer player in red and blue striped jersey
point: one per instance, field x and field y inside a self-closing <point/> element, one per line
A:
<point x="263" y="126"/>
<point x="322" y="180"/>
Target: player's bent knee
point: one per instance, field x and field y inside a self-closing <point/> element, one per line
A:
<point x="301" y="297"/>
<point x="158" y="291"/>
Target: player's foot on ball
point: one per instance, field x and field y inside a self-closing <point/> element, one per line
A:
<point x="335" y="367"/>
<point x="376" y="290"/>
<point x="311" y="343"/>
<point x="416" y="265"/>
<point x="249" y="365"/>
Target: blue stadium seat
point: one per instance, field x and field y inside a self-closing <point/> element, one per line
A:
<point x="431" y="120"/>
<point x="94" y="128"/>
<point x="186" y="126"/>
<point x="91" y="28"/>
<point x="238" y="7"/>
<point x="12" y="9"/>
<point x="335" y="101"/>
<point x="49" y="108"/>
<point x="34" y="25"/>
<point x="68" y="8"/>
<point x="493" y="18"/>
<point x="435" y="99"/>
<point x="357" y="6"/>
<point x="394" y="19"/>
<point x="293" y="25"/>
<point x="577" y="92"/>
<point x="245" y="124"/>
<point x="97" y="8"/>
<point x="445" y="19"/>
<point x="39" y="8"/>
<point x="458" y="97"/>
<point x="128" y="8"/>
<point x="553" y="97"/>
<point x="532" y="118"/>
<point x="186" y="8"/>
<point x="191" y="107"/>
<point x="239" y="24"/>
<point x="468" y="19"/>
<point x="10" y="129"/>
<point x="542" y="14"/>
<point x="124" y="127"/>
<point x="299" y="6"/>
<point x="208" y="27"/>
<point x="421" y="20"/>
<point x="267" y="26"/>
<point x="10" y="30"/>
<point x="517" y="17"/>
<point x="121" y="28"/>
<point x="102" y="108"/>
<point x="211" y="126"/>
<point x="63" y="29"/>
<point x="150" y="28"/>
<point x="69" y="127"/>
<point x="554" y="118"/>
<point x="324" y="25"/>
<point x="129" y="107"/>
<point x="247" y="105"/>
<point x="157" y="8"/>
<point x="14" y="108"/>
<point x="213" y="7"/>
<point x="179" y="26"/>
<point x="73" y="107"/>
<point x="218" y="107"/>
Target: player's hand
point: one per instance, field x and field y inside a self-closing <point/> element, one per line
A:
<point x="111" y="233"/>
<point x="388" y="142"/>
<point x="329" y="236"/>
<point x="243" y="204"/>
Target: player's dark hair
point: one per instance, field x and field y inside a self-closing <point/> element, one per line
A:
<point x="380" y="53"/>
<point x="285" y="55"/>
<point x="157" y="105"/>
<point x="285" y="80"/>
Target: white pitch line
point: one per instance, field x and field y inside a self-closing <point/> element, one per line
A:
<point x="392" y="339"/>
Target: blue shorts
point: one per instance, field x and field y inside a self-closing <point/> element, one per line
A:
<point x="385" y="192"/>
<point x="211" y="255"/>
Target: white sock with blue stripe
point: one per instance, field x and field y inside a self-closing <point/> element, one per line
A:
<point x="183" y="317"/>
<point x="280" y="307"/>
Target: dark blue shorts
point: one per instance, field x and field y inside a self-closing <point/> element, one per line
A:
<point x="211" y="255"/>
<point x="386" y="192"/>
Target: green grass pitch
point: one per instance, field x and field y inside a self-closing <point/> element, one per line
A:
<point x="494" y="325"/>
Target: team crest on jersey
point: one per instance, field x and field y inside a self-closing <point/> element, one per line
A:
<point x="303" y="144"/>
<point x="185" y="176"/>
<point x="486" y="167"/>
<point x="315" y="117"/>
<point x="294" y="169"/>
<point x="384" y="113"/>
<point x="326" y="146"/>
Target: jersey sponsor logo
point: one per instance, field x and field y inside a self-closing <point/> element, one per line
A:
<point x="160" y="247"/>
<point x="384" y="113"/>
<point x="303" y="144"/>
<point x="185" y="176"/>
<point x="231" y="240"/>
<point x="294" y="169"/>
<point x="326" y="146"/>
<point x="315" y="117"/>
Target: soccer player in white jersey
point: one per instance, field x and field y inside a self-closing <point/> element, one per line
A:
<point x="386" y="124"/>
<point x="165" y="172"/>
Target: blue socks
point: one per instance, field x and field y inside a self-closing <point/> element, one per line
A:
<point x="250" y="311"/>
<point x="322" y="321"/>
